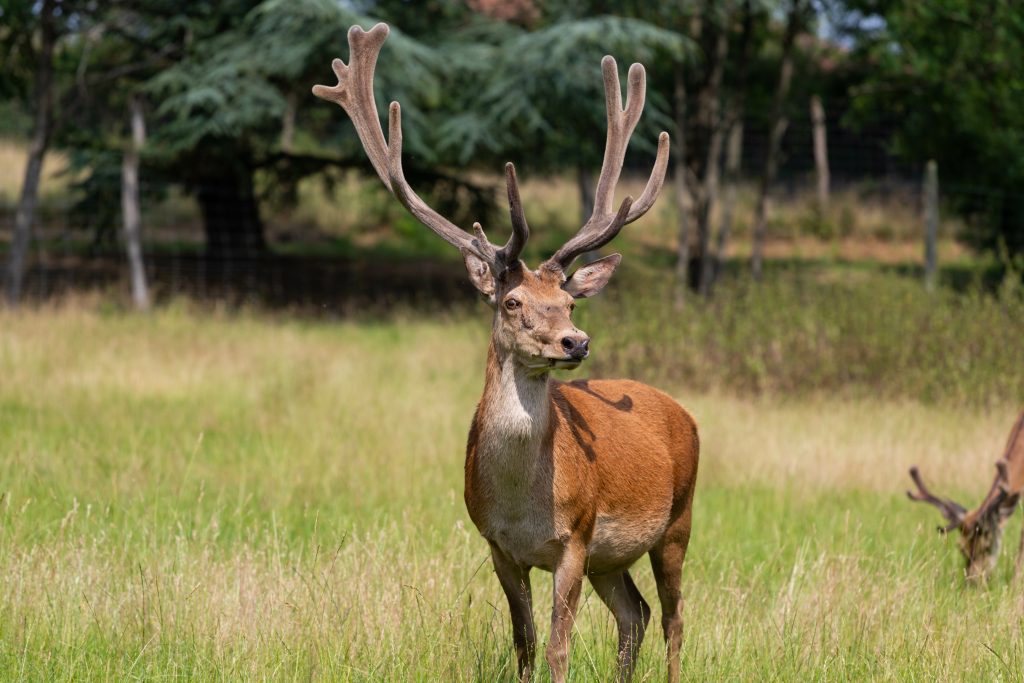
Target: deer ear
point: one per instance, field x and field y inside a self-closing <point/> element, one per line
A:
<point x="480" y="275"/>
<point x="591" y="278"/>
<point x="1007" y="506"/>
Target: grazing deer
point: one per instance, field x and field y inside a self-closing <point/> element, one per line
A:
<point x="578" y="478"/>
<point x="981" y="529"/>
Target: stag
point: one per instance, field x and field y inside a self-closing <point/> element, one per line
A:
<point x="981" y="529"/>
<point x="576" y="478"/>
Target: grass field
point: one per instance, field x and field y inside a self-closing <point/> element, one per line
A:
<point x="204" y="496"/>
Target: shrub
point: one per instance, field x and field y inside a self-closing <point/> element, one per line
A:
<point x="813" y="332"/>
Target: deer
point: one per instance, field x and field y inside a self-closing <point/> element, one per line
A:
<point x="981" y="529"/>
<point x="577" y="478"/>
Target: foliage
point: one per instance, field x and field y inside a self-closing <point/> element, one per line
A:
<point x="226" y="91"/>
<point x="538" y="94"/>
<point x="947" y="76"/>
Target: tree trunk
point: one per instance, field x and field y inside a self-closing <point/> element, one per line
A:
<point x="777" y="129"/>
<point x="931" y="222"/>
<point x="288" y="123"/>
<point x="701" y="160"/>
<point x="679" y="181"/>
<point x="26" y="211"/>
<point x="712" y="167"/>
<point x="231" y="215"/>
<point x="820" y="152"/>
<point x="733" y="159"/>
<point x="734" y="148"/>
<point x="585" y="184"/>
<point x="130" y="209"/>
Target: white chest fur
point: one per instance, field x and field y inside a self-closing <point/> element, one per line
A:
<point x="514" y="472"/>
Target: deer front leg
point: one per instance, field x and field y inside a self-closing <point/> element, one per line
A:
<point x="515" y="581"/>
<point x="568" y="584"/>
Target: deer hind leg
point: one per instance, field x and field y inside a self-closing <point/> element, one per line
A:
<point x="632" y="614"/>
<point x="1020" y="557"/>
<point x="667" y="562"/>
<point x="568" y="584"/>
<point x="515" y="581"/>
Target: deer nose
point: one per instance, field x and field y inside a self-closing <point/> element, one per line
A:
<point x="576" y="346"/>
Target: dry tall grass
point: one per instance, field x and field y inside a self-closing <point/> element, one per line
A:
<point x="212" y="496"/>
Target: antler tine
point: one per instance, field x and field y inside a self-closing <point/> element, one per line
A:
<point x="588" y="241"/>
<point x="953" y="512"/>
<point x="509" y="254"/>
<point x="354" y="93"/>
<point x="603" y="225"/>
<point x="444" y="228"/>
<point x="621" y="123"/>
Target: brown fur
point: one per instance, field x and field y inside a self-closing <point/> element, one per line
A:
<point x="981" y="529"/>
<point x="577" y="478"/>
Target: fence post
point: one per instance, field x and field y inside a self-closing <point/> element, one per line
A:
<point x="931" y="221"/>
<point x="820" y="152"/>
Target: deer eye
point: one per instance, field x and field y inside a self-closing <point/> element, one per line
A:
<point x="512" y="304"/>
<point x="572" y="307"/>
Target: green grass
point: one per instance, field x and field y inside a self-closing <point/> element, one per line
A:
<point x="193" y="495"/>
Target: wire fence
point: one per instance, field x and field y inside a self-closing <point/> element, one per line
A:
<point x="73" y="249"/>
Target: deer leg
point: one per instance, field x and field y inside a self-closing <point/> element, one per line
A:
<point x="568" y="584"/>
<point x="515" y="581"/>
<point x="667" y="562"/>
<point x="632" y="614"/>
<point x="1020" y="557"/>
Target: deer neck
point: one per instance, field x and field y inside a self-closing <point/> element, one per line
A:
<point x="515" y="410"/>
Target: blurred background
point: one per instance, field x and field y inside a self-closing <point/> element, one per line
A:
<point x="832" y="162"/>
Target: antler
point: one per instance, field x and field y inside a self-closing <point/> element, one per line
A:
<point x="1005" y="492"/>
<point x="354" y="93"/>
<point x="953" y="512"/>
<point x="605" y="223"/>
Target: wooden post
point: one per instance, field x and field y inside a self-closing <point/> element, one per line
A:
<point x="130" y="210"/>
<point x="931" y="222"/>
<point x="820" y="151"/>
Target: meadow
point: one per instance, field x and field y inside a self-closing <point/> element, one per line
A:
<point x="210" y="495"/>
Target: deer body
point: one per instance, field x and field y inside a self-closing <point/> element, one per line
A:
<point x="577" y="478"/>
<point x="534" y="481"/>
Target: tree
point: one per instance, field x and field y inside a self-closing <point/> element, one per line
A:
<point x="734" y="150"/>
<point x="24" y="25"/>
<point x="947" y="81"/>
<point x="131" y="210"/>
<point x="795" y="19"/>
<point x="535" y="95"/>
<point x="227" y="83"/>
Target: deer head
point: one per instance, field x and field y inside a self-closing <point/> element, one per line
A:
<point x="532" y="307"/>
<point x="981" y="530"/>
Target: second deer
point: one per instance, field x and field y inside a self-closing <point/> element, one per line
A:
<point x="981" y="529"/>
